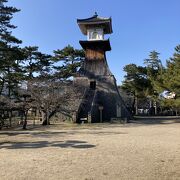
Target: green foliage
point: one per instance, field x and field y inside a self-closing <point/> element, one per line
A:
<point x="35" y="63"/>
<point x="172" y="73"/>
<point x="69" y="60"/>
<point x="6" y="14"/>
<point x="153" y="63"/>
<point x="68" y="53"/>
<point x="154" y="72"/>
<point x="10" y="53"/>
<point x="136" y="80"/>
<point x="153" y="79"/>
<point x="136" y="83"/>
<point x="171" y="78"/>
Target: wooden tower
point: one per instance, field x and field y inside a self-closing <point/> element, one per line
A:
<point x="101" y="100"/>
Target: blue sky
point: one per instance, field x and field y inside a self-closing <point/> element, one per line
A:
<point x="139" y="26"/>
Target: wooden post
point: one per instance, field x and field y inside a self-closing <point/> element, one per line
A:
<point x="89" y="117"/>
<point x="101" y="109"/>
<point x="155" y="108"/>
<point x="118" y="110"/>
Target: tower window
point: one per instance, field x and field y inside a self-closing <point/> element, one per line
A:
<point x="93" y="85"/>
<point x="95" y="35"/>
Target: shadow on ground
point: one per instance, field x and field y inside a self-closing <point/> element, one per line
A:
<point x="153" y="120"/>
<point x="94" y="128"/>
<point x="49" y="134"/>
<point x="43" y="144"/>
<point x="32" y="133"/>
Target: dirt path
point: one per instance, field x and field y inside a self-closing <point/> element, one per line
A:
<point x="138" y="150"/>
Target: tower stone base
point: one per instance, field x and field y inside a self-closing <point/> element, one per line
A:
<point x="101" y="100"/>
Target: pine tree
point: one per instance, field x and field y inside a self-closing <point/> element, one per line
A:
<point x="171" y="79"/>
<point x="35" y="63"/>
<point x="69" y="60"/>
<point x="10" y="53"/>
<point x="154" y="73"/>
<point x="136" y="83"/>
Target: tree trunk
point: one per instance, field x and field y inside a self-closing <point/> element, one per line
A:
<point x="133" y="105"/>
<point x="45" y="118"/>
<point x="155" y="107"/>
<point x="25" y="120"/>
<point x="176" y="112"/>
<point x="10" y="118"/>
<point x="136" y="106"/>
<point x="2" y="86"/>
<point x="1" y="123"/>
<point x="161" y="110"/>
<point x="150" y="107"/>
<point x="9" y="83"/>
<point x="22" y="116"/>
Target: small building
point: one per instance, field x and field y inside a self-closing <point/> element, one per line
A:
<point x="101" y="100"/>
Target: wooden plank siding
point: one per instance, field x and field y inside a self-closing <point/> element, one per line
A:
<point x="92" y="54"/>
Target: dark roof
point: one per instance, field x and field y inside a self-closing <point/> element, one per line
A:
<point x="93" y="21"/>
<point x="102" y="44"/>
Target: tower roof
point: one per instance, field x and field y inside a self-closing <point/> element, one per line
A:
<point x="95" y="22"/>
<point x="102" y="44"/>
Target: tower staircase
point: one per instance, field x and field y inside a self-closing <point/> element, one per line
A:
<point x="86" y="104"/>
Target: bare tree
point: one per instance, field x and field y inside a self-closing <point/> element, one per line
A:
<point x="51" y="95"/>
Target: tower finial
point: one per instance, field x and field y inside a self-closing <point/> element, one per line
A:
<point x="95" y="14"/>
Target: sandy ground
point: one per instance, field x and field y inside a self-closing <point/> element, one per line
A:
<point x="147" y="149"/>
